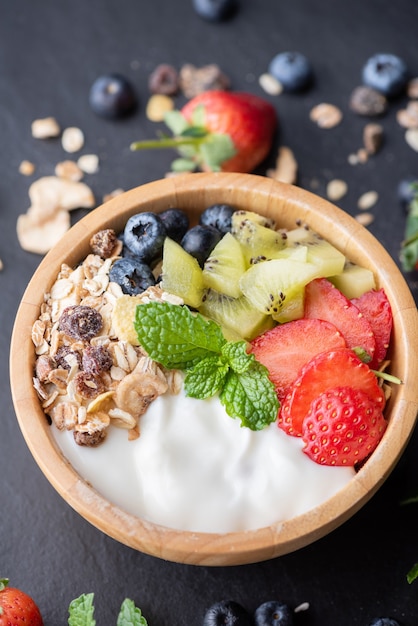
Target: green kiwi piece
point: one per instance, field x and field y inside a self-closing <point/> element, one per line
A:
<point x="238" y="318"/>
<point x="354" y="280"/>
<point x="225" y="266"/>
<point x="329" y="260"/>
<point x="181" y="274"/>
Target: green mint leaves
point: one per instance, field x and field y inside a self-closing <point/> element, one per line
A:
<point x="409" y="248"/>
<point x="178" y="339"/>
<point x="81" y="611"/>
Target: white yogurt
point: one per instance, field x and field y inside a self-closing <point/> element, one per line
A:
<point x="195" y="468"/>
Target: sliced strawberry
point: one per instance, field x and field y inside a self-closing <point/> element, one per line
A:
<point x="342" y="427"/>
<point x="335" y="368"/>
<point x="287" y="347"/>
<point x="375" y="307"/>
<point x="324" y="301"/>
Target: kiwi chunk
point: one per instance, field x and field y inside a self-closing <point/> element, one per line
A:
<point x="272" y="285"/>
<point x="354" y="280"/>
<point x="238" y="318"/>
<point x="329" y="260"/>
<point x="225" y="266"/>
<point x="238" y="217"/>
<point x="181" y="274"/>
<point x="259" y="242"/>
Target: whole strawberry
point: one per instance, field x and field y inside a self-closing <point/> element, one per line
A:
<point x="219" y="131"/>
<point x="17" y="608"/>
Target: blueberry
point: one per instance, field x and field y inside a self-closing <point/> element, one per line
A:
<point x="215" y="10"/>
<point x="386" y="73"/>
<point x="132" y="275"/>
<point x="407" y="190"/>
<point x="384" y="621"/>
<point x="273" y="613"/>
<point x="144" y="236"/>
<point x="176" y="223"/>
<point x="226" y="613"/>
<point x="292" y="70"/>
<point x="112" y="96"/>
<point x="219" y="216"/>
<point x="199" y="241"/>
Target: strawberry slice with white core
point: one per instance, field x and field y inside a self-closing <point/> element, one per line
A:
<point x="284" y="349"/>
<point x="327" y="370"/>
<point x="375" y="307"/>
<point x="343" y="427"/>
<point x="324" y="301"/>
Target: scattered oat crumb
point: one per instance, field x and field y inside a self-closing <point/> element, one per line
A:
<point x="89" y="163"/>
<point x="367" y="200"/>
<point x="326" y="115"/>
<point x="373" y="138"/>
<point x="270" y="84"/>
<point x="412" y="88"/>
<point x="353" y="159"/>
<point x="362" y="155"/>
<point x="45" y="128"/>
<point x="411" y="138"/>
<point x="27" y="168"/>
<point x="69" y="170"/>
<point x="408" y="117"/>
<point x="158" y="105"/>
<point x="286" y="169"/>
<point x="364" y="219"/>
<point x="304" y="606"/>
<point x="1" y="265"/>
<point x="72" y="139"/>
<point x="336" y="189"/>
<point x="112" y="194"/>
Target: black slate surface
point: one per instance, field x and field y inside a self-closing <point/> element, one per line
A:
<point x="50" y="53"/>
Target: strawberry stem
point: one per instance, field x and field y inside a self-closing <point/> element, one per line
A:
<point x="388" y="377"/>
<point x="167" y="142"/>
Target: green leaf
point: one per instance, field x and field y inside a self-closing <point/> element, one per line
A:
<point x="250" y="397"/>
<point x="195" y="131"/>
<point x="183" y="165"/>
<point x="409" y="248"/>
<point x="81" y="611"/>
<point x="176" y="122"/>
<point x="199" y="116"/>
<point x="130" y="615"/>
<point x="237" y="356"/>
<point x="3" y="583"/>
<point x="175" y="337"/>
<point x="206" y="378"/>
<point x="412" y="574"/>
<point x="217" y="149"/>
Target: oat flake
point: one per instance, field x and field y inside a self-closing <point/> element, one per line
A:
<point x="411" y="138"/>
<point x="336" y="189"/>
<point x="326" y="115"/>
<point x="364" y="219"/>
<point x="26" y="168"/>
<point x="72" y="139"/>
<point x="270" y="84"/>
<point x="367" y="200"/>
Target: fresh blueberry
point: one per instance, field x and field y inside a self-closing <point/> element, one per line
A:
<point x="112" y="96"/>
<point x="215" y="10"/>
<point x="199" y="241"/>
<point x="407" y="190"/>
<point x="384" y="621"/>
<point x="226" y="613"/>
<point x="219" y="216"/>
<point x="386" y="73"/>
<point x="292" y="70"/>
<point x="273" y="613"/>
<point x="144" y="236"/>
<point x="132" y="275"/>
<point x="176" y="223"/>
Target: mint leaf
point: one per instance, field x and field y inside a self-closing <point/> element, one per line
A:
<point x="206" y="378"/>
<point x="130" y="615"/>
<point x="412" y="574"/>
<point x="175" y="337"/>
<point x="250" y="397"/>
<point x="237" y="356"/>
<point x="81" y="611"/>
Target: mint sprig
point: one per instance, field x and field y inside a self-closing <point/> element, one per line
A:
<point x="178" y="339"/>
<point x="81" y="612"/>
<point x="409" y="247"/>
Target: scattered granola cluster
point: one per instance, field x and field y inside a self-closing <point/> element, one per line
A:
<point x="88" y="376"/>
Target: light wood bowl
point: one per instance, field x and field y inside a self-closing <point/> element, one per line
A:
<point x="286" y="203"/>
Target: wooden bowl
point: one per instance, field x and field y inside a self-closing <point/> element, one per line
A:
<point x="286" y="203"/>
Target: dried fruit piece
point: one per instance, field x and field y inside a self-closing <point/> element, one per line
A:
<point x="367" y="101"/>
<point x="196" y="80"/>
<point x="164" y="80"/>
<point x="373" y="138"/>
<point x="96" y="360"/>
<point x="104" y="243"/>
<point x="80" y="322"/>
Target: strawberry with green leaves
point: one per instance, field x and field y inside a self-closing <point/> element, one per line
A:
<point x="219" y="131"/>
<point x="17" y="608"/>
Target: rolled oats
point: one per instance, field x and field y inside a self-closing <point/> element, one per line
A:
<point x="88" y="163"/>
<point x="367" y="200"/>
<point x="27" y="168"/>
<point x="157" y="107"/>
<point x="270" y="84"/>
<point x="336" y="189"/>
<point x="286" y="169"/>
<point x="72" y="139"/>
<point x="68" y="169"/>
<point x="326" y="115"/>
<point x="45" y="128"/>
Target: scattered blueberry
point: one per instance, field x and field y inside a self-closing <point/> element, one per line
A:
<point x="176" y="223"/>
<point x="407" y="190"/>
<point x="292" y="70"/>
<point x="133" y="276"/>
<point x="386" y="73"/>
<point x="112" y="96"/>
<point x="144" y="236"/>
<point x="384" y="621"/>
<point x="226" y="613"/>
<point x="199" y="241"/>
<point x="215" y="10"/>
<point x="219" y="216"/>
<point x="273" y="613"/>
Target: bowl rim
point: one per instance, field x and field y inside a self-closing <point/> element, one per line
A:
<point x="240" y="547"/>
